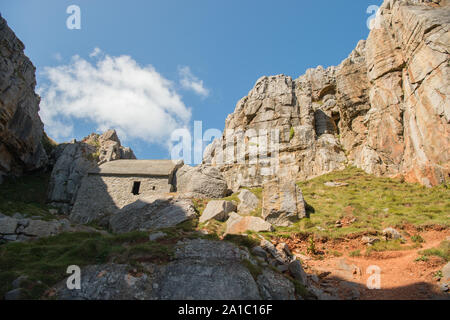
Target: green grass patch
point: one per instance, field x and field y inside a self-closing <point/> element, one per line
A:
<point x="356" y="253"/>
<point x="45" y="261"/>
<point x="26" y="195"/>
<point x="417" y="239"/>
<point x="254" y="270"/>
<point x="443" y="251"/>
<point x="392" y="245"/>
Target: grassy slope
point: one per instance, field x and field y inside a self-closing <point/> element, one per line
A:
<point x="375" y="202"/>
<point x="26" y="195"/>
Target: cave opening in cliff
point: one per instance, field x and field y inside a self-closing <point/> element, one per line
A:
<point x="336" y="118"/>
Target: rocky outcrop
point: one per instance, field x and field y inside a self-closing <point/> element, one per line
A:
<point x="384" y="109"/>
<point x="200" y="270"/>
<point x="201" y="182"/>
<point x="21" y="129"/>
<point x="19" y="228"/>
<point x="73" y="160"/>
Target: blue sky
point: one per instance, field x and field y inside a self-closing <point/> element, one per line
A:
<point x="204" y="55"/>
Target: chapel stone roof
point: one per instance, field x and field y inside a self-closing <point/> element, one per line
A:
<point x="138" y="167"/>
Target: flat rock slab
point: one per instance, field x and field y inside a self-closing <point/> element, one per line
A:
<point x="154" y="214"/>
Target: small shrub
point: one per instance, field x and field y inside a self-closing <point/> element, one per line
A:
<point x="356" y="253"/>
<point x="421" y="258"/>
<point x="311" y="246"/>
<point x="417" y="239"/>
<point x="291" y="134"/>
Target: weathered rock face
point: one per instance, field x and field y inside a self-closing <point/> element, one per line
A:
<point x="21" y="129"/>
<point x="73" y="161"/>
<point x="248" y="202"/>
<point x="385" y="109"/>
<point x="218" y="210"/>
<point x="200" y="270"/>
<point x="201" y="181"/>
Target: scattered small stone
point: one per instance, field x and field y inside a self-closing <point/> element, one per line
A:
<point x="284" y="247"/>
<point x="333" y="184"/>
<point x="369" y="240"/>
<point x="338" y="224"/>
<point x="296" y="269"/>
<point x="392" y="234"/>
<point x="444" y="287"/>
<point x="156" y="235"/>
<point x="282" y="268"/>
<point x="203" y="232"/>
<point x="53" y="211"/>
<point x="314" y="278"/>
<point x="259" y="252"/>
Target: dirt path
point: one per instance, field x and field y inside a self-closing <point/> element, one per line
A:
<point x="401" y="277"/>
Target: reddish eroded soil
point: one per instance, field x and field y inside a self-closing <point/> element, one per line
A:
<point x="401" y="277"/>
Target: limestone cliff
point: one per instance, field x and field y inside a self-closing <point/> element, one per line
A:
<point x="21" y="129"/>
<point x="385" y="108"/>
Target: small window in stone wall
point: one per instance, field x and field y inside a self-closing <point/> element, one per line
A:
<point x="153" y="188"/>
<point x="136" y="187"/>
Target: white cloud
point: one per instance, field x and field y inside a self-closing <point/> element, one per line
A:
<point x="95" y="52"/>
<point x="190" y="82"/>
<point x="114" y="92"/>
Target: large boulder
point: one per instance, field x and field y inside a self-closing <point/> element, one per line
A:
<point x="152" y="213"/>
<point x="283" y="203"/>
<point x="238" y="224"/>
<point x="201" y="181"/>
<point x="200" y="270"/>
<point x="21" y="129"/>
<point x="218" y="210"/>
<point x="248" y="202"/>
